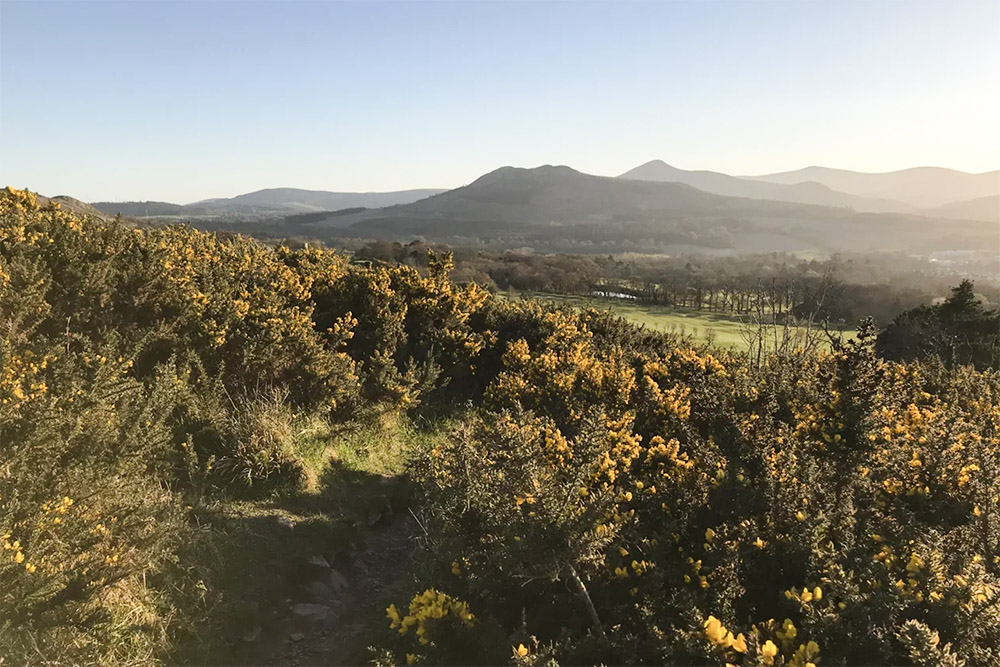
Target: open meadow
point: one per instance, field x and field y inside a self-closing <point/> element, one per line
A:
<point x="720" y="329"/>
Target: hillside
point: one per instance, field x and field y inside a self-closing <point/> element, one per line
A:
<point x="986" y="209"/>
<point x="560" y="209"/>
<point x="266" y="202"/>
<point x="141" y="209"/>
<point x="924" y="187"/>
<point x="294" y="199"/>
<point x="724" y="184"/>
<point x="73" y="205"/>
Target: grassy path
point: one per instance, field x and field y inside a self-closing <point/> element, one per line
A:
<point x="308" y="575"/>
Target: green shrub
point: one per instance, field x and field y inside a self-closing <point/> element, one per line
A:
<point x="825" y="508"/>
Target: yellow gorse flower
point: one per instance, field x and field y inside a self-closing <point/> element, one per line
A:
<point x="719" y="635"/>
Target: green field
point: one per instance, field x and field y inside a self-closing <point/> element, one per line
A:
<point x="722" y="329"/>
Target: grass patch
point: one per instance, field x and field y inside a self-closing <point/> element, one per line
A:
<point x="260" y="547"/>
<point x="721" y="329"/>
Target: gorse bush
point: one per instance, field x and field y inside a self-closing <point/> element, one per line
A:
<point x="603" y="494"/>
<point x="82" y="515"/>
<point x="141" y="369"/>
<point x="138" y="369"/>
<point x="670" y="506"/>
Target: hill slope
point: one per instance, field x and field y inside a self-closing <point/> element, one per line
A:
<point x="724" y="184"/>
<point x="273" y="200"/>
<point x="141" y="209"/>
<point x="558" y="208"/>
<point x="986" y="209"/>
<point x="294" y="199"/>
<point x="925" y="187"/>
<point x="74" y="205"/>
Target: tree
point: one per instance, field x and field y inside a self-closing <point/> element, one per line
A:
<point x="959" y="331"/>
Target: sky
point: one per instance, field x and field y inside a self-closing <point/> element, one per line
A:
<point x="181" y="101"/>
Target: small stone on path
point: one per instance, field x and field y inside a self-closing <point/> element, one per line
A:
<point x="313" y="612"/>
<point x="337" y="580"/>
<point x="319" y="561"/>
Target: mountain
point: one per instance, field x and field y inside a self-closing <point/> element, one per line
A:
<point x="924" y="187"/>
<point x="267" y="202"/>
<point x="986" y="209"/>
<point x="293" y="199"/>
<point x="557" y="208"/>
<point x="724" y="184"/>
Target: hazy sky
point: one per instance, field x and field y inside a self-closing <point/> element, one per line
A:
<point x="180" y="101"/>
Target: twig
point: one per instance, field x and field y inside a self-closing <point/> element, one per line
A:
<point x="581" y="591"/>
<point x="426" y="534"/>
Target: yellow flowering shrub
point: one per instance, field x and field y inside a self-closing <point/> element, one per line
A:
<point x="435" y="627"/>
<point x="605" y="494"/>
<point x="806" y="511"/>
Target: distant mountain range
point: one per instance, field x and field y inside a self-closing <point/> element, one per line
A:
<point x="986" y="209"/>
<point x="559" y="208"/>
<point x="922" y="187"/>
<point x="652" y="208"/>
<point x="803" y="192"/>
<point x="273" y="200"/>
<point x="931" y="191"/>
<point x="924" y="190"/>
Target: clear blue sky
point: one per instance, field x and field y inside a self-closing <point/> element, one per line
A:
<point x="181" y="101"/>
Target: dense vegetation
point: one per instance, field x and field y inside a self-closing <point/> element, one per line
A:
<point x="597" y="493"/>
<point x="844" y="288"/>
<point x="959" y="331"/>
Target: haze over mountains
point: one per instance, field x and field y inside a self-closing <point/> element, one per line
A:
<point x="983" y="208"/>
<point x="652" y="208"/>
<point x="557" y="208"/>
<point x="929" y="190"/>
<point x="924" y="187"/>
<point x="803" y="192"/>
<point x="285" y="200"/>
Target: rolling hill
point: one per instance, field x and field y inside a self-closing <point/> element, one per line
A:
<point x="724" y="184"/>
<point x="293" y="199"/>
<point x="74" y="205"/>
<point x="266" y="202"/>
<point x="924" y="187"/>
<point x="557" y="208"/>
<point x="986" y="209"/>
<point x="142" y="209"/>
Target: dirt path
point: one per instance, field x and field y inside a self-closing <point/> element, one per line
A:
<point x="326" y="619"/>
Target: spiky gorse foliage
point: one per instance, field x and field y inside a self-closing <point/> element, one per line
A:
<point x="674" y="506"/>
<point x="142" y="368"/>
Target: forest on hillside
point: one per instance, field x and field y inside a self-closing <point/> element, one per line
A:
<point x="579" y="490"/>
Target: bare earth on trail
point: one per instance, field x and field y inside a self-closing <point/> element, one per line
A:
<point x="325" y="619"/>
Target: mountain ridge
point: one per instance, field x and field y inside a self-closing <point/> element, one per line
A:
<point x="807" y="192"/>
<point x="562" y="209"/>
<point x="288" y="200"/>
<point x="923" y="187"/>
